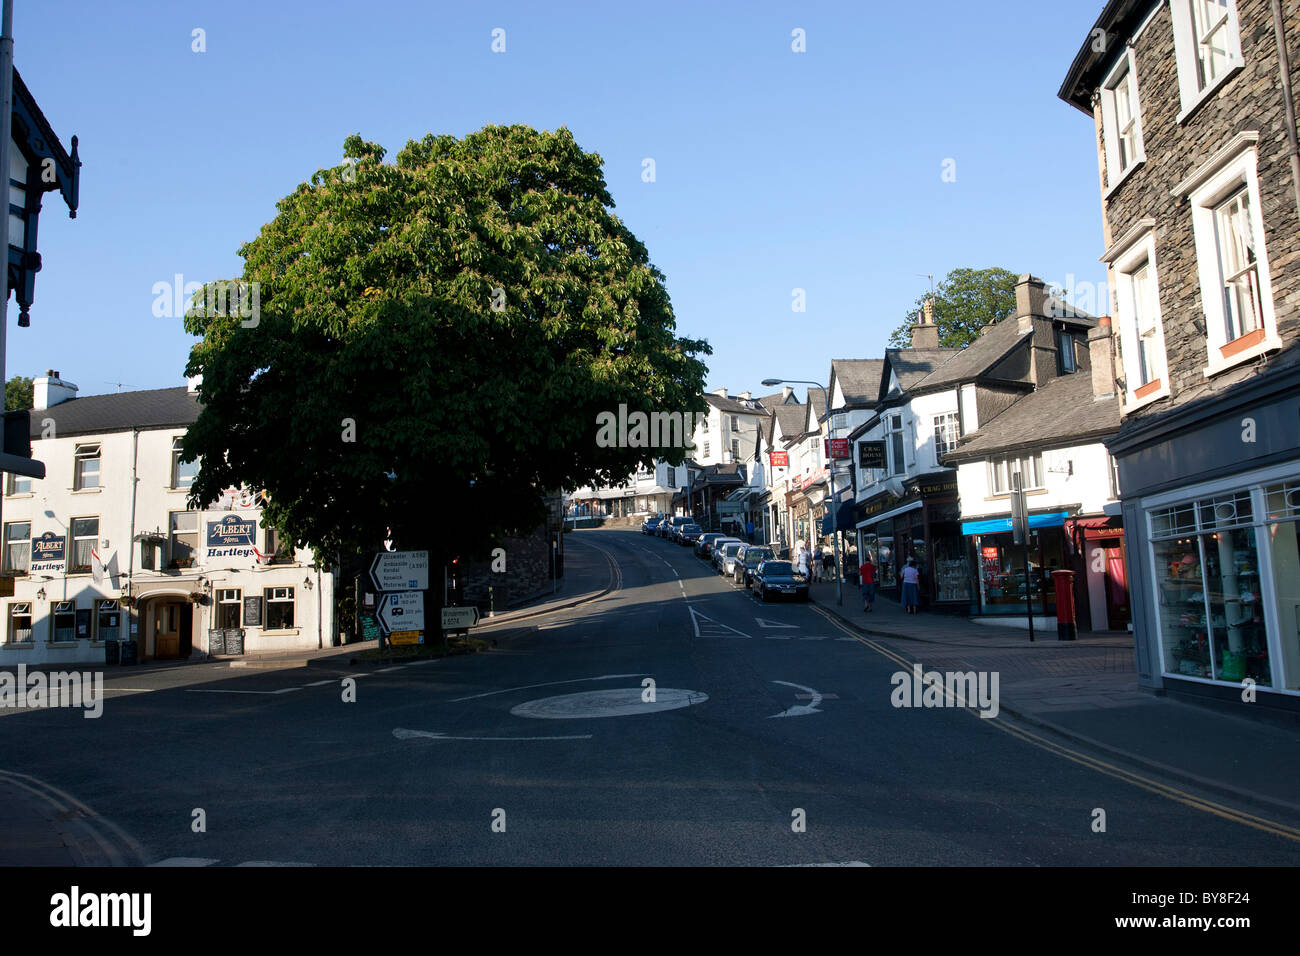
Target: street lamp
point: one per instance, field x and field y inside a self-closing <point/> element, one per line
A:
<point x="830" y="477"/>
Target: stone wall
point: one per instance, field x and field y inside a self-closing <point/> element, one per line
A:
<point x="527" y="573"/>
<point x="1251" y="100"/>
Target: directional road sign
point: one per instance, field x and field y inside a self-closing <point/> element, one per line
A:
<point x="401" y="611"/>
<point x="459" y="618"/>
<point x="400" y="571"/>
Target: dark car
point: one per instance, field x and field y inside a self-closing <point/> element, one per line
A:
<point x="689" y="534"/>
<point x="649" y="525"/>
<point x="704" y="546"/>
<point x="747" y="559"/>
<point x="778" y="578"/>
<point x="670" y="526"/>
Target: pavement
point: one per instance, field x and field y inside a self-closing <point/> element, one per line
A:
<point x="1086" y="691"/>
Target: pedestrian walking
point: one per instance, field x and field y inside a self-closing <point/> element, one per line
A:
<point x="867" y="575"/>
<point x="749" y="531"/>
<point x="911" y="586"/>
<point x="803" y="562"/>
<point x="828" y="564"/>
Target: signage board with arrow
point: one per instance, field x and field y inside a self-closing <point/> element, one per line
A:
<point x="399" y="571"/>
<point x="401" y="611"/>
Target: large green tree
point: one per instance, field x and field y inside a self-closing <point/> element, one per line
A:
<point x="965" y="301"/>
<point x="18" y="393"/>
<point x="431" y="343"/>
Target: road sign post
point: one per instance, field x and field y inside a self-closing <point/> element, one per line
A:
<point x="1020" y="536"/>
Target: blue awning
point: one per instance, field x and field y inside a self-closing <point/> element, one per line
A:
<point x="997" y="525"/>
<point x="845" y="516"/>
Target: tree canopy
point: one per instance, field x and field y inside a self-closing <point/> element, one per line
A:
<point x="431" y="343"/>
<point x="965" y="301"/>
<point x="18" y="393"/>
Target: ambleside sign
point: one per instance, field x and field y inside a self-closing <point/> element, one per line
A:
<point x="232" y="536"/>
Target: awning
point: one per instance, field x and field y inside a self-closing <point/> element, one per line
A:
<point x="844" y="518"/>
<point x="998" y="525"/>
<point x="885" y="516"/>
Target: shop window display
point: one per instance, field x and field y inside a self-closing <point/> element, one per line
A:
<point x="1283" y="534"/>
<point x="1211" y="604"/>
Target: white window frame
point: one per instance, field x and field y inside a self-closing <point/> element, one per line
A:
<point x="272" y="596"/>
<point x="896" y="468"/>
<point x="12" y="488"/>
<point x="1140" y="253"/>
<point x="176" y="482"/>
<point x="1216" y="180"/>
<point x="1191" y="90"/>
<point x="950" y="422"/>
<point x="83" y="453"/>
<point x="1124" y="73"/>
<point x="20" y="609"/>
<point x="25" y="551"/>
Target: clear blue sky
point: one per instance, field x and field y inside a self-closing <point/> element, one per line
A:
<point x="775" y="170"/>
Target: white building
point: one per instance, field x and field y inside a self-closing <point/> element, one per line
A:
<point x="106" y="548"/>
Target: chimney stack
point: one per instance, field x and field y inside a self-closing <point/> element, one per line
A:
<point x="1101" y="356"/>
<point x="745" y="395"/>
<point x="1031" y="296"/>
<point x="50" y="390"/>
<point x="720" y="392"/>
<point x="786" y="392"/>
<point x="925" y="334"/>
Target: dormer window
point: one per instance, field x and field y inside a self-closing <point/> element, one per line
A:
<point x="1065" y="349"/>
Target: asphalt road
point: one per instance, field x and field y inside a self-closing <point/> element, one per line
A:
<point x="544" y="751"/>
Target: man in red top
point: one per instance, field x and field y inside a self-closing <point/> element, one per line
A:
<point x="867" y="576"/>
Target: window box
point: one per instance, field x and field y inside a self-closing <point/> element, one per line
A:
<point x="1150" y="388"/>
<point x="1241" y="343"/>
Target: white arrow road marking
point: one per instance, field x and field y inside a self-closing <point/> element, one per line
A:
<point x="763" y="622"/>
<point x="800" y="710"/>
<point x="401" y="733"/>
<point x="552" y="683"/>
<point x="713" y="628"/>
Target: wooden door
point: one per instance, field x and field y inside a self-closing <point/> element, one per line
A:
<point x="167" y="631"/>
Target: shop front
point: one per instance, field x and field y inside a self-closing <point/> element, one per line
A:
<point x="923" y="525"/>
<point x="1013" y="578"/>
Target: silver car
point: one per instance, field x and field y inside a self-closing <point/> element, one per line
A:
<point x="719" y="544"/>
<point x="727" y="556"/>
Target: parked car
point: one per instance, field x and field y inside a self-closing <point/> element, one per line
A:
<point x="747" y="559"/>
<point x="689" y="534"/>
<point x="718" y="547"/>
<point x="778" y="578"/>
<point x="727" y="556"/>
<point x="704" y="547"/>
<point x="650" y="525"/>
<point x="671" y="524"/>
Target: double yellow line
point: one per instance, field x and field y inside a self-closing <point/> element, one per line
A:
<point x="1085" y="760"/>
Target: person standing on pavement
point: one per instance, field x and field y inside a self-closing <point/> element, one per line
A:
<point x="911" y="586"/>
<point x="867" y="575"/>
<point x="803" y="562"/>
<point x="828" y="563"/>
<point x="749" y="531"/>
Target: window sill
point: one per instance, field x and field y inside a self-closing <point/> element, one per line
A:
<point x="1114" y="187"/>
<point x="1208" y="92"/>
<point x="21" y="494"/>
<point x="85" y="491"/>
<point x="1145" y="395"/>
<point x="62" y="644"/>
<point x="1220" y="362"/>
<point x="19" y="645"/>
<point x="284" y="632"/>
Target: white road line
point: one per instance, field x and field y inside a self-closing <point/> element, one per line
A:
<point x="432" y="660"/>
<point x="553" y="683"/>
<point x="401" y="733"/>
<point x="321" y="683"/>
<point x="185" y="861"/>
<point x="389" y="670"/>
<point x="271" y="863"/>
<point x="800" y="710"/>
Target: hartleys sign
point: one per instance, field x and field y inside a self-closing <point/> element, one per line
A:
<point x="48" y="552"/>
<point x="232" y="536"/>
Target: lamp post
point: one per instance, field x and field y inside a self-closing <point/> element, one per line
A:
<point x="830" y="477"/>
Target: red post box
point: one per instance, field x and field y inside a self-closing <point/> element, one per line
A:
<point x="1066" y="628"/>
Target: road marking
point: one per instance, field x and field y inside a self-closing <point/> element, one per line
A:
<point x="1093" y="763"/>
<point x="712" y="628"/>
<point x="622" y="702"/>
<point x="553" y="683"/>
<point x="185" y="861"/>
<point x="401" y="733"/>
<point x="800" y="710"/>
<point x="389" y="670"/>
<point x="321" y="683"/>
<point x="272" y="863"/>
<point x="846" y="863"/>
<point x="763" y="622"/>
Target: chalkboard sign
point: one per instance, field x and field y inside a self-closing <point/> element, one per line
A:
<point x="128" y="652"/>
<point x="369" y="627"/>
<point x="216" y="642"/>
<point x="252" y="612"/>
<point x="83" y="623"/>
<point x="234" y="640"/>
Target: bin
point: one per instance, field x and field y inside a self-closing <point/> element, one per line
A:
<point x="128" y="652"/>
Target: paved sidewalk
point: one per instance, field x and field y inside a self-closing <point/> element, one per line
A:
<point x="1087" y="691"/>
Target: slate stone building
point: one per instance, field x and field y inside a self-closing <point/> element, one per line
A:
<point x="1194" y="106"/>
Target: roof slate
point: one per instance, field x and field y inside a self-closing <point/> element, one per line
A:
<point x="859" y="379"/>
<point x="120" y="411"/>
<point x="1058" y="414"/>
